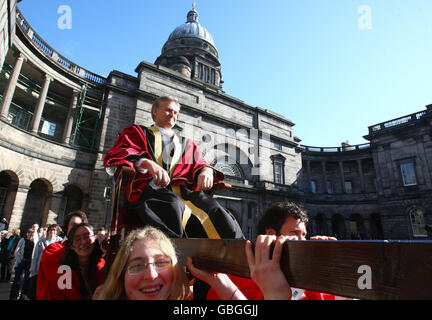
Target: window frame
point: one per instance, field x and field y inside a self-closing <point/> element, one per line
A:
<point x="404" y="172"/>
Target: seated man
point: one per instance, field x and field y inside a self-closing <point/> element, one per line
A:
<point x="167" y="190"/>
<point x="289" y="220"/>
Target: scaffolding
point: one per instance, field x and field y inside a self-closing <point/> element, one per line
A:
<point x="89" y="112"/>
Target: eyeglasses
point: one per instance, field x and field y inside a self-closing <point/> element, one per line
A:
<point x="79" y="239"/>
<point x="141" y="267"/>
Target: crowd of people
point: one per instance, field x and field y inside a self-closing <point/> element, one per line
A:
<point x="21" y="253"/>
<point x="146" y="267"/>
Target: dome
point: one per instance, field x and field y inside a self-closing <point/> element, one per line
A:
<point x="192" y="29"/>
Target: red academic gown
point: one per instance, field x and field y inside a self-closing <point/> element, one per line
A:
<point x="165" y="208"/>
<point x="313" y="295"/>
<point x="48" y="287"/>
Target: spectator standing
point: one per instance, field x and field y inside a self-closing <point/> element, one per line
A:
<point x="43" y="242"/>
<point x="8" y="257"/>
<point x="23" y="256"/>
<point x="3" y="246"/>
<point x="4" y="224"/>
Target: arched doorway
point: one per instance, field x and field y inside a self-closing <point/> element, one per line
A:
<point x="321" y="225"/>
<point x="357" y="230"/>
<point x="8" y="188"/>
<point x="338" y="226"/>
<point x="376" y="227"/>
<point x="37" y="204"/>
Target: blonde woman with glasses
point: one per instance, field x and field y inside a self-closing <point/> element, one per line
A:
<point x="146" y="268"/>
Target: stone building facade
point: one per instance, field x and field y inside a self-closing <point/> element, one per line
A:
<point x="377" y="190"/>
<point x="57" y="120"/>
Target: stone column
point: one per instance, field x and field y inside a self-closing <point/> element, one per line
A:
<point x="10" y="90"/>
<point x="323" y="165"/>
<point x="342" y="176"/>
<point x="360" y="169"/>
<point x="70" y="117"/>
<point x="40" y="105"/>
<point x="347" y="228"/>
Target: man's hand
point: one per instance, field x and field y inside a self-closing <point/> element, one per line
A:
<point x="265" y="270"/>
<point x="205" y="179"/>
<point x="322" y="238"/>
<point x="160" y="176"/>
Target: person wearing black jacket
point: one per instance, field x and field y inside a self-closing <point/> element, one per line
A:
<point x="8" y="255"/>
<point x="23" y="256"/>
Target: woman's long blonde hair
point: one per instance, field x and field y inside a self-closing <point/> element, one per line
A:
<point x="113" y="288"/>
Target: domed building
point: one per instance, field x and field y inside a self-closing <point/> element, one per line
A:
<point x="58" y="119"/>
<point x="190" y="50"/>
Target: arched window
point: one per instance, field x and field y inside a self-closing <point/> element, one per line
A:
<point x="8" y="189"/>
<point x="37" y="204"/>
<point x="417" y="220"/>
<point x="229" y="169"/>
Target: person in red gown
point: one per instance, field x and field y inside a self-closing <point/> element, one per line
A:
<point x="168" y="190"/>
<point x="280" y="222"/>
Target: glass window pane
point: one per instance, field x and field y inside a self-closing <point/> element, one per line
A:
<point x="408" y="174"/>
<point x="417" y="222"/>
<point x="313" y="186"/>
<point x="330" y="187"/>
<point x="348" y="187"/>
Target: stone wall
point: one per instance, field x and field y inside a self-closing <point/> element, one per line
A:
<point x="7" y="27"/>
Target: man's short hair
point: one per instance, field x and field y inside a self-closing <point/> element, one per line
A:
<point x="275" y="216"/>
<point x="70" y="215"/>
<point x="160" y="100"/>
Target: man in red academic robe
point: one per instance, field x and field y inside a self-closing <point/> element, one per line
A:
<point x="171" y="177"/>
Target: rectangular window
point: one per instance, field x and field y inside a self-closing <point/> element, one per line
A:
<point x="348" y="186"/>
<point x="206" y="74"/>
<point x="375" y="184"/>
<point x="330" y="189"/>
<point x="277" y="146"/>
<point x="313" y="186"/>
<point x="48" y="128"/>
<point x="200" y="71"/>
<point x="213" y="76"/>
<point x="408" y="174"/>
<point x="278" y="172"/>
<point x="418" y="222"/>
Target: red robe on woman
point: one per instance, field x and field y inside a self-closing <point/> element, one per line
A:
<point x="52" y="282"/>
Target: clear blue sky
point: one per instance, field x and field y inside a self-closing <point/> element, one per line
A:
<point x="330" y="66"/>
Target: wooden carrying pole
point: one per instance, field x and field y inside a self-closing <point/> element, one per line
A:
<point x="374" y="270"/>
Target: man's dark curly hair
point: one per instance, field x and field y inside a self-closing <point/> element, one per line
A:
<point x="276" y="215"/>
